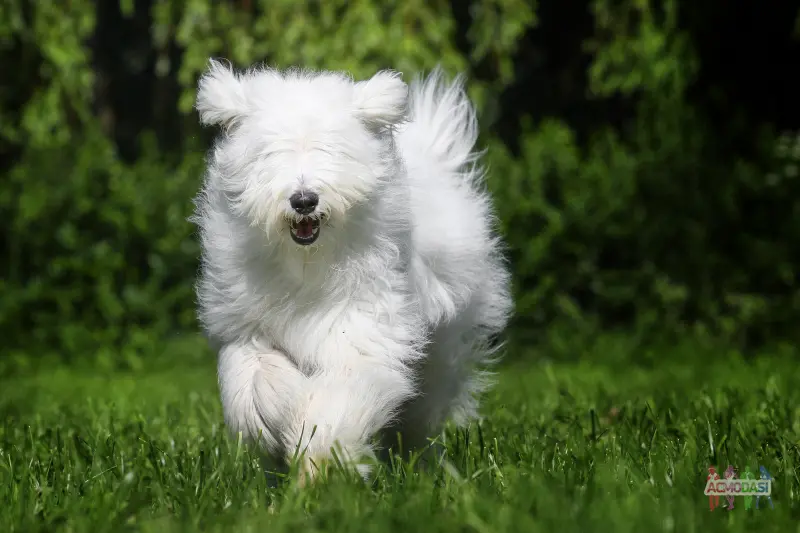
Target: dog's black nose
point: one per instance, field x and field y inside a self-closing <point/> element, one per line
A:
<point x="304" y="202"/>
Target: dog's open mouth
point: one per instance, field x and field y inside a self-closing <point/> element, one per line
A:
<point x="304" y="231"/>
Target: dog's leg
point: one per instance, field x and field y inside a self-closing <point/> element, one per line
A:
<point x="346" y="405"/>
<point x="260" y="388"/>
<point x="363" y="378"/>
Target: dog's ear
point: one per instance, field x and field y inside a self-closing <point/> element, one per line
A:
<point x="381" y="100"/>
<point x="220" y="95"/>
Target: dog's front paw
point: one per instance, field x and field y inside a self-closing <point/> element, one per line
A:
<point x="311" y="469"/>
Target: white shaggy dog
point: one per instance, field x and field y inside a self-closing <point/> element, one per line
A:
<point x="351" y="279"/>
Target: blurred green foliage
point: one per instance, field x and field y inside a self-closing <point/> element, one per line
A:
<point x="652" y="221"/>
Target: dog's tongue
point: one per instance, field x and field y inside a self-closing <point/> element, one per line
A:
<point x="305" y="229"/>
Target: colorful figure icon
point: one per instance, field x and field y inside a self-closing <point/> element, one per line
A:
<point x="713" y="499"/>
<point x="748" y="500"/>
<point x="730" y="473"/>
<point x="765" y="476"/>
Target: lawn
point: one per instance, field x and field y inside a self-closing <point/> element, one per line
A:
<point x="583" y="446"/>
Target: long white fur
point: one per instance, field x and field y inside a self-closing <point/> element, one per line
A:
<point x="385" y="321"/>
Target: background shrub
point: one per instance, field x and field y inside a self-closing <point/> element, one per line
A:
<point x="640" y="177"/>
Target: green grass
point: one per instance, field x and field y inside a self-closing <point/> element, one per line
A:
<point x="578" y="447"/>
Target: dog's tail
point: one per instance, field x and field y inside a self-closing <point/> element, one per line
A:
<point x="442" y="123"/>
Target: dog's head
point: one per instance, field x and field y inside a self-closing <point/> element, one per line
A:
<point x="299" y="148"/>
